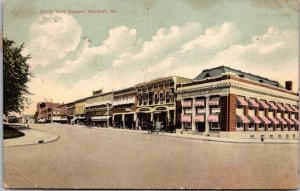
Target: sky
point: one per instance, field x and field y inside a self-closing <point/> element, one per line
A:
<point x="78" y="46"/>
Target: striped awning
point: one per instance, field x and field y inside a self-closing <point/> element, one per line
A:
<point x="280" y="107"/>
<point x="289" y="121"/>
<point x="200" y="102"/>
<point x="199" y="118"/>
<point x="214" y="101"/>
<point x="273" y="106"/>
<point x="242" y="118"/>
<point x="187" y="103"/>
<point x="253" y="103"/>
<point x="242" y="101"/>
<point x="264" y="119"/>
<point x="295" y="121"/>
<point x="213" y="118"/>
<point x="254" y="119"/>
<point x="186" y="119"/>
<point x="288" y="107"/>
<point x="263" y="104"/>
<point x="274" y="120"/>
<point x="295" y="108"/>
<point x="282" y="121"/>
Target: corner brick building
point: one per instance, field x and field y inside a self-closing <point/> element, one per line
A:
<point x="232" y="103"/>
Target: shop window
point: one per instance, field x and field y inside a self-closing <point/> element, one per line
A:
<point x="187" y="126"/>
<point x="214" y="125"/>
<point x="251" y="125"/>
<point x="261" y="125"/>
<point x="240" y="125"/>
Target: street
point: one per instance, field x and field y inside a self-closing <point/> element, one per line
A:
<point x="100" y="158"/>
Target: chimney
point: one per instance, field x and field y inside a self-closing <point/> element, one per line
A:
<point x="289" y="85"/>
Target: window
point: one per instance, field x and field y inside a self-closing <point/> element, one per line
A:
<point x="251" y="125"/>
<point x="207" y="75"/>
<point x="240" y="125"/>
<point x="261" y="125"/>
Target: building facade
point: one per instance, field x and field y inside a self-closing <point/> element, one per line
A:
<point x="98" y="109"/>
<point x="156" y="104"/>
<point x="228" y="100"/>
<point x="46" y="112"/>
<point x="124" y="108"/>
<point x="79" y="112"/>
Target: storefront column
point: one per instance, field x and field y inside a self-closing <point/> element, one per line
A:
<point x="193" y="114"/>
<point x="137" y="122"/>
<point x="123" y="121"/>
<point x="206" y="114"/>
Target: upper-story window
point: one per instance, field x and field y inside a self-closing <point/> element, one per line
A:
<point x="207" y="75"/>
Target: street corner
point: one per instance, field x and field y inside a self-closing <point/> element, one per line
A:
<point x="32" y="137"/>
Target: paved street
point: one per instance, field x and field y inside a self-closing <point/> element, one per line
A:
<point x="97" y="158"/>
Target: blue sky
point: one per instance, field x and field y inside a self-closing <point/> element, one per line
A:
<point x="73" y="54"/>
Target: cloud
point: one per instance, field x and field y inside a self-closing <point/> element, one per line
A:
<point x="51" y="38"/>
<point x="123" y="59"/>
<point x="120" y="41"/>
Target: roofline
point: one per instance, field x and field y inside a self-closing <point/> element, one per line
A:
<point x="223" y="66"/>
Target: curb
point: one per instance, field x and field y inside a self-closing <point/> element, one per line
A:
<point x="36" y="143"/>
<point x="226" y="141"/>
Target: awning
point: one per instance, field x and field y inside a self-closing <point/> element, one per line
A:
<point x="213" y="118"/>
<point x="100" y="118"/>
<point x="242" y="101"/>
<point x="72" y="120"/>
<point x="242" y="118"/>
<point x="199" y="118"/>
<point x="253" y="103"/>
<point x="123" y="101"/>
<point x="59" y="119"/>
<point x="200" y="102"/>
<point x="280" y="107"/>
<point x="214" y="101"/>
<point x="289" y="121"/>
<point x="265" y="120"/>
<point x="274" y="121"/>
<point x="282" y="121"/>
<point x="187" y="103"/>
<point x="263" y="104"/>
<point x="186" y="118"/>
<point x="254" y="119"/>
<point x="41" y="120"/>
<point x="295" y="108"/>
<point x="295" y="121"/>
<point x="287" y="107"/>
<point x="273" y="106"/>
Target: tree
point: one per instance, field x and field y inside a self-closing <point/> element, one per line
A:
<point x="15" y="77"/>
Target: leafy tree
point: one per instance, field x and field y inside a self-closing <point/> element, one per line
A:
<point x="15" y="76"/>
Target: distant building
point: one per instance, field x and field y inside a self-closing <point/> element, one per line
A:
<point x="98" y="109"/>
<point x="46" y="111"/>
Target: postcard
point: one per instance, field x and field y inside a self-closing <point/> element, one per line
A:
<point x="150" y="94"/>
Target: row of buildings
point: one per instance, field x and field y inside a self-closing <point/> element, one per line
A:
<point x="220" y="99"/>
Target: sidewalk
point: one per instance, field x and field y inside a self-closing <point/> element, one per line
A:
<point x="208" y="138"/>
<point x="31" y="137"/>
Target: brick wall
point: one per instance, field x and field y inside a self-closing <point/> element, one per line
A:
<point x="228" y="113"/>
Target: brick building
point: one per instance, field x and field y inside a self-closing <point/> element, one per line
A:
<point x="228" y="101"/>
<point x="47" y="112"/>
